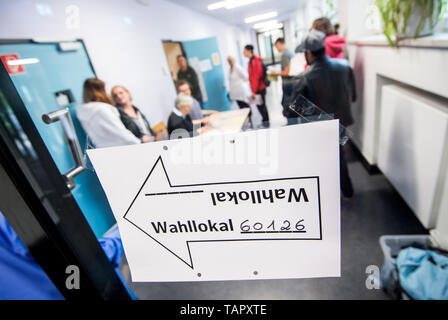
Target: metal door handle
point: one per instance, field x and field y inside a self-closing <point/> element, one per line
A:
<point x="63" y="115"/>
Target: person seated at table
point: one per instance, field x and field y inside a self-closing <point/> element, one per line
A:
<point x="196" y="113"/>
<point x="130" y="115"/>
<point x="100" y="119"/>
<point x="180" y="118"/>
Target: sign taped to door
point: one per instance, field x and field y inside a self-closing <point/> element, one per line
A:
<point x="12" y="68"/>
<point x="260" y="204"/>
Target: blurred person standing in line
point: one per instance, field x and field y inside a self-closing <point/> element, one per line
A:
<point x="334" y="44"/>
<point x="239" y="89"/>
<point x="187" y="73"/>
<point x="256" y="80"/>
<point x="285" y="61"/>
<point x="328" y="83"/>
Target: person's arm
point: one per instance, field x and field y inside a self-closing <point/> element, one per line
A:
<point x="203" y="121"/>
<point x="112" y="246"/>
<point x="283" y="73"/>
<point x="110" y="128"/>
<point x="208" y="112"/>
<point x="146" y="138"/>
<point x="299" y="88"/>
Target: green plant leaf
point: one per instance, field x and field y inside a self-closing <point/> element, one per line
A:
<point x="396" y="15"/>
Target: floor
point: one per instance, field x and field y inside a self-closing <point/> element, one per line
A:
<point x="376" y="209"/>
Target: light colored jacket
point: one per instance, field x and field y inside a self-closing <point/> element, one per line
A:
<point x="238" y="84"/>
<point x="102" y="124"/>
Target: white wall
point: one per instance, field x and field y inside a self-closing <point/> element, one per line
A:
<point x="358" y="18"/>
<point x="418" y="64"/>
<point x="308" y="11"/>
<point x="124" y="40"/>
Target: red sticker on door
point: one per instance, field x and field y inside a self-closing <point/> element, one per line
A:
<point x="11" y="67"/>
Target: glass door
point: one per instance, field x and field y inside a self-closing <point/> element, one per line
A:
<point x="58" y="223"/>
<point x="48" y="77"/>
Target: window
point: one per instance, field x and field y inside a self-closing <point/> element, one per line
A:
<point x="443" y="23"/>
<point x="266" y="48"/>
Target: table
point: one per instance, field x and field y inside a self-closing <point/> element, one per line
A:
<point x="227" y="121"/>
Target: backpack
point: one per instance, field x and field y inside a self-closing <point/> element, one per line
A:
<point x="265" y="77"/>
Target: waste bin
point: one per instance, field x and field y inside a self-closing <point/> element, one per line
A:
<point x="391" y="246"/>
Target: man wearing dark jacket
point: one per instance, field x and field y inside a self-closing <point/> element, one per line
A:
<point x="329" y="84"/>
<point x="188" y="74"/>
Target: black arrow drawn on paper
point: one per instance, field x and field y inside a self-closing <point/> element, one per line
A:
<point x="198" y="190"/>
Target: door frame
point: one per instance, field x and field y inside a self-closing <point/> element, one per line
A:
<point x="180" y="43"/>
<point x="43" y="212"/>
<point x="23" y="41"/>
<point x="272" y="46"/>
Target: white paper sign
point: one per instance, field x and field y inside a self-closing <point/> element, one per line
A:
<point x="205" y="65"/>
<point x="261" y="204"/>
<point x="196" y="65"/>
<point x="215" y="58"/>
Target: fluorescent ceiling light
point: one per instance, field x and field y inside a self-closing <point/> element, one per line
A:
<point x="260" y="17"/>
<point x="265" y="24"/>
<point x="239" y="3"/>
<point x="18" y="62"/>
<point x="230" y="4"/>
<point x="217" y="5"/>
<point x="271" y="27"/>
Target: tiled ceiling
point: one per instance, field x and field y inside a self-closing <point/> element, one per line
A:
<point x="236" y="16"/>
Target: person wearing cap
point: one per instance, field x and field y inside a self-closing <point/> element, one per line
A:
<point x="328" y="83"/>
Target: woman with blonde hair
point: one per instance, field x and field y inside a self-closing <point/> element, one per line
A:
<point x="100" y="119"/>
<point x="130" y="115"/>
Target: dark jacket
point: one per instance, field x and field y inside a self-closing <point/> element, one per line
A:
<point x="192" y="78"/>
<point x="131" y="125"/>
<point x="177" y="122"/>
<point x="329" y="84"/>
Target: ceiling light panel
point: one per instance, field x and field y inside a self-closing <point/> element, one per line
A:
<point x="271" y="27"/>
<point x="230" y="4"/>
<point x="265" y="24"/>
<point x="260" y="17"/>
<point x="217" y="5"/>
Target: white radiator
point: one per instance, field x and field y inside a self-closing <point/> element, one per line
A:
<point x="412" y="148"/>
